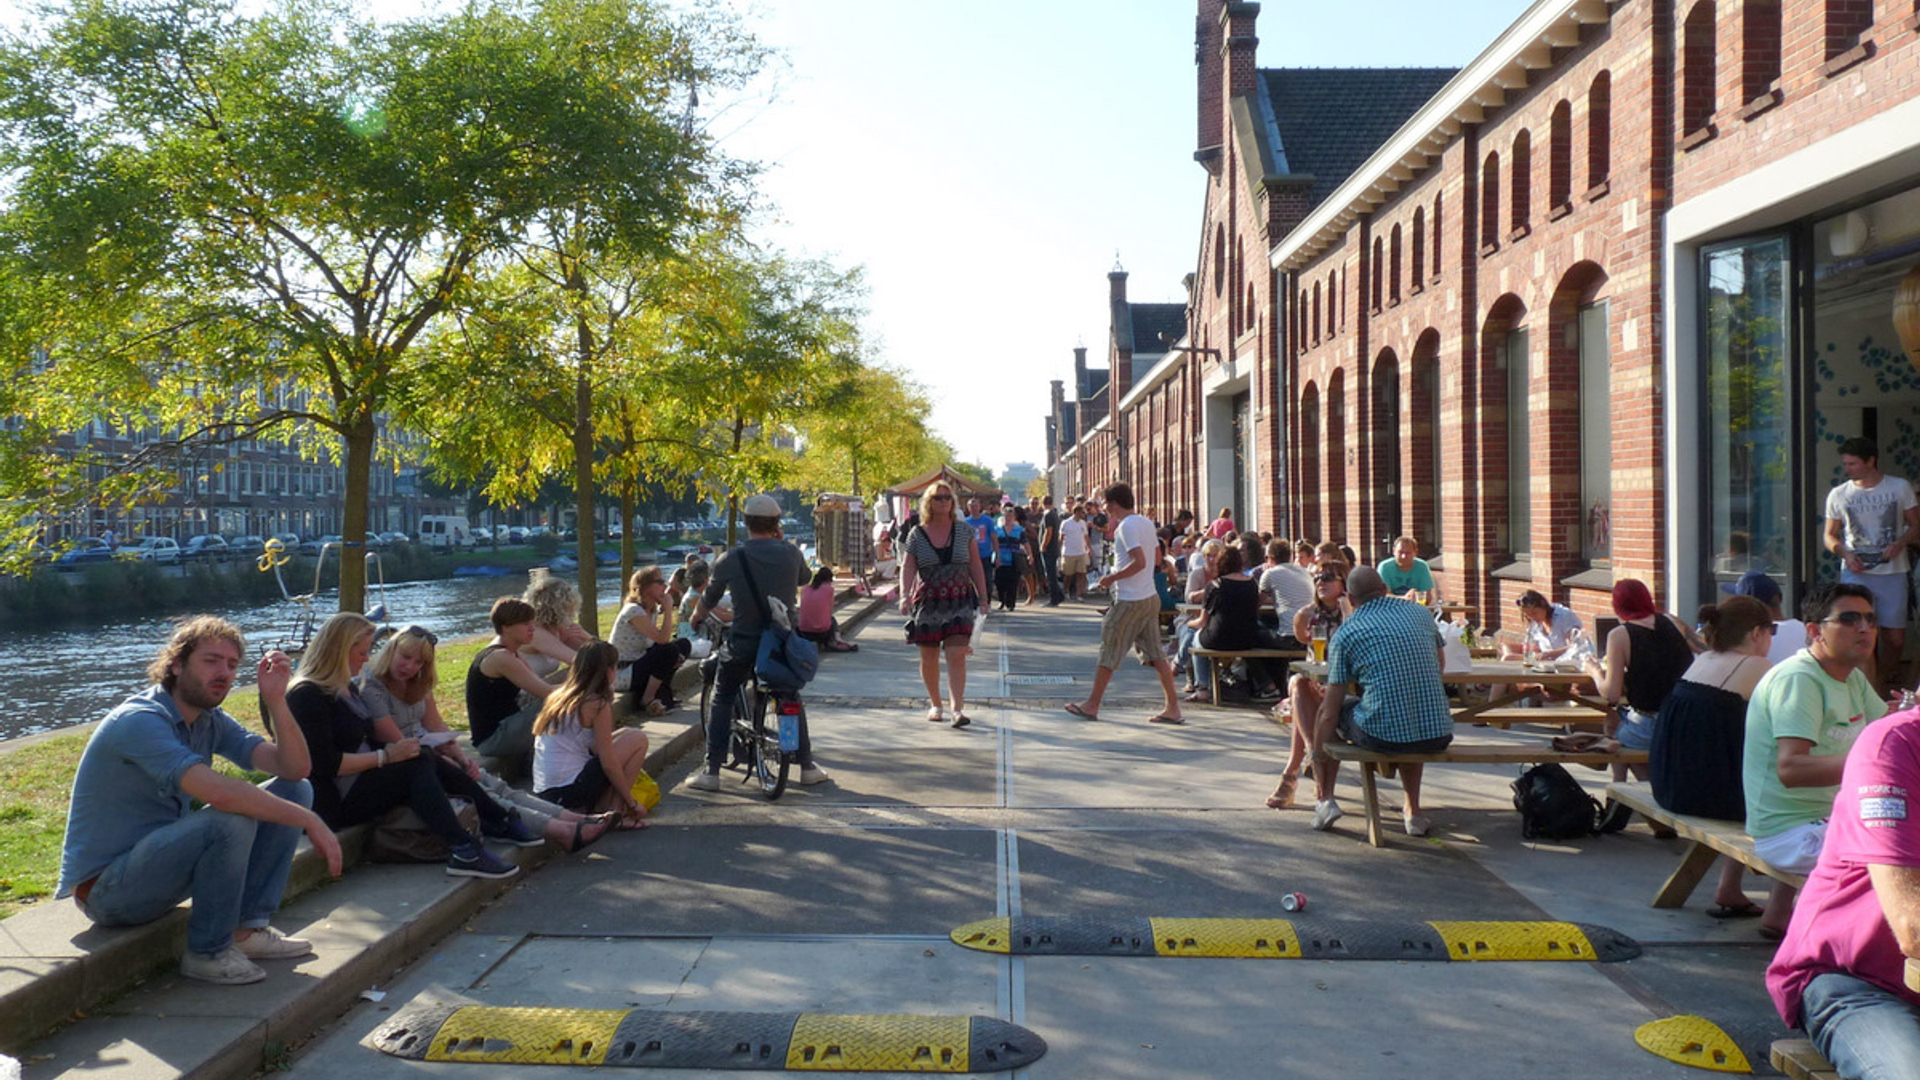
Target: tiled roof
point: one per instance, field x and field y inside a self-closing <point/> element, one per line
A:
<point x="1096" y="384"/>
<point x="1330" y="120"/>
<point x="1157" y="326"/>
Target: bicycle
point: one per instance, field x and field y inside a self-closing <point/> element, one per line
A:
<point x="765" y="754"/>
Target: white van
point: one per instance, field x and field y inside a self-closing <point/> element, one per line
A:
<point x="446" y="531"/>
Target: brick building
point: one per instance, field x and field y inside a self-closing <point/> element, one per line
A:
<point x="1601" y="304"/>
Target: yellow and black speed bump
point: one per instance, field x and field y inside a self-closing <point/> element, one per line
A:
<point x="1297" y="939"/>
<point x="434" y="1030"/>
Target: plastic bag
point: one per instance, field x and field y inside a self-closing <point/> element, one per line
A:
<point x="1455" y="656"/>
<point x="645" y="791"/>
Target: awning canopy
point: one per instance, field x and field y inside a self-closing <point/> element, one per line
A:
<point x="963" y="486"/>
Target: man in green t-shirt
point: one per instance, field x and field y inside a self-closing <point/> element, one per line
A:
<point x="1406" y="574"/>
<point x="1804" y="716"/>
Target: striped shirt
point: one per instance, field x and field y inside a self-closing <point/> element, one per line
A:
<point x="1391" y="648"/>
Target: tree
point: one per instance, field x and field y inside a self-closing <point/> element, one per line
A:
<point x="975" y="472"/>
<point x="206" y="202"/>
<point x="868" y="428"/>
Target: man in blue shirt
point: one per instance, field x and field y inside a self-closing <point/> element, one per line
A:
<point x="1391" y="651"/>
<point x="1406" y="574"/>
<point x="982" y="523"/>
<point x="135" y="847"/>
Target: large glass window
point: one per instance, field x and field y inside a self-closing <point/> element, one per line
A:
<point x="1596" y="436"/>
<point x="1748" y="428"/>
<point x="1519" y="464"/>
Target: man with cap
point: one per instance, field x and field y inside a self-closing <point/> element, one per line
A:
<point x="1789" y="635"/>
<point x="1391" y="651"/>
<point x="774" y="568"/>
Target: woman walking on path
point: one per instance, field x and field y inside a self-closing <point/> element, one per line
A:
<point x="1010" y="541"/>
<point x="942" y="586"/>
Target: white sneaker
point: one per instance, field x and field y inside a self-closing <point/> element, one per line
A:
<point x="1417" y="824"/>
<point x="705" y="781"/>
<point x="229" y="968"/>
<point x="812" y="774"/>
<point x="266" y="943"/>
<point x="1325" y="813"/>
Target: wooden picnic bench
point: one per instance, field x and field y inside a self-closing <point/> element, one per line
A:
<point x="1796" y="1058"/>
<point x="1219" y="658"/>
<point x="1708" y="839"/>
<point x="1578" y="719"/>
<point x="1373" y="763"/>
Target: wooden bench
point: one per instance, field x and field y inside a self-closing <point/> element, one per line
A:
<point x="1219" y="658"/>
<point x="1798" y="1059"/>
<point x="1551" y="716"/>
<point x="1373" y="763"/>
<point x="1708" y="840"/>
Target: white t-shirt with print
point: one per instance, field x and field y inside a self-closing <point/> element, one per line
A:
<point x="1135" y="532"/>
<point x="1871" y="518"/>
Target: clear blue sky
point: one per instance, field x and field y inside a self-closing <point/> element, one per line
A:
<point x="986" y="160"/>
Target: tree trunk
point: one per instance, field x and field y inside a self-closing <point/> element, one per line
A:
<point x="353" y="524"/>
<point x="589" y="571"/>
<point x="733" y="492"/>
<point x="626" y="531"/>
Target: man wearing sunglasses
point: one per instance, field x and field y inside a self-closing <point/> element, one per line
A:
<point x="1805" y="714"/>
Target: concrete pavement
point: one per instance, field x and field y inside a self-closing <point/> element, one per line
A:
<point x="839" y="898"/>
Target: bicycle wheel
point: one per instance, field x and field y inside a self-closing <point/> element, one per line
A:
<point x="770" y="763"/>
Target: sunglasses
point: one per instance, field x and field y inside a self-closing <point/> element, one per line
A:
<point x="420" y="631"/>
<point x="1327" y="579"/>
<point x="941" y="498"/>
<point x="1854" y="619"/>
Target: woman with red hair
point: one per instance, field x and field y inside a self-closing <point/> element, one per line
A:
<point x="1645" y="656"/>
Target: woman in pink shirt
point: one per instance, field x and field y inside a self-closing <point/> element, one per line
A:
<point x="817" y="623"/>
<point x="1223" y="525"/>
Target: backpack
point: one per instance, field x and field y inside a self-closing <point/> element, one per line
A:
<point x="1553" y="805"/>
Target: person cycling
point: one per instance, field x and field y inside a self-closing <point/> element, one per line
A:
<point x="778" y="569"/>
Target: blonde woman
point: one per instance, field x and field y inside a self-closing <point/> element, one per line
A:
<point x="943" y="586"/>
<point x="579" y="760"/>
<point x="357" y="777"/>
<point x="397" y="688"/>
<point x="557" y="633"/>
<point x="649" y="651"/>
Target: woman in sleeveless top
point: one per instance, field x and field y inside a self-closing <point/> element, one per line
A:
<point x="1646" y="655"/>
<point x="579" y="760"/>
<point x="1699" y="735"/>
<point x="943" y="586"/>
<point x="1329" y="609"/>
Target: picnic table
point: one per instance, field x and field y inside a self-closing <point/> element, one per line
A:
<point x="1559" y="682"/>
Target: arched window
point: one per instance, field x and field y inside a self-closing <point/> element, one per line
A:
<point x="1419" y="278"/>
<point x="1599" y="129"/>
<point x="1379" y="271"/>
<point x="1522" y="167"/>
<point x="1393" y="266"/>
<point x="1337" y="286"/>
<point x="1560" y="157"/>
<point x="1759" y="48"/>
<point x="1697" y="69"/>
<point x="1239" y="317"/>
<point x="1219" y="258"/>
<point x="1846" y="21"/>
<point x="1439" y="242"/>
<point x="1316" y="313"/>
<point x="1490" y="201"/>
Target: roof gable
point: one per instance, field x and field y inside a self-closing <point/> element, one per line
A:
<point x="1157" y="326"/>
<point x="1328" y="121"/>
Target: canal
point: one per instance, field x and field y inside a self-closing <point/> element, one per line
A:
<point x="68" y="675"/>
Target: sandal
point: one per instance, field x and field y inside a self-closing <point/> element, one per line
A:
<point x="961" y="720"/>
<point x="655" y="708"/>
<point x="934" y="717"/>
<point x="580" y="837"/>
<point x="1163" y="718"/>
<point x="1074" y="708"/>
<point x="1745" y="910"/>
<point x="1282" y="796"/>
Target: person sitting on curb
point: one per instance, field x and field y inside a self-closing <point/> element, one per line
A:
<point x="1841" y="972"/>
<point x="649" y="650"/>
<point x="500" y="725"/>
<point x="557" y="633"/>
<point x="135" y="847"/>
<point x="1392" y="652"/>
<point x="816" y="622"/>
<point x="357" y="778"/>
<point x="1804" y="716"/>
<point x="579" y="760"/>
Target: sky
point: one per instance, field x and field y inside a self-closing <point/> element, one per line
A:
<point x="987" y="161"/>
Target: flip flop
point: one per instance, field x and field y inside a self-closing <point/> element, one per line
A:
<point x="934" y="717"/>
<point x="1746" y="910"/>
<point x="1163" y="718"/>
<point x="961" y="720"/>
<point x="1074" y="708"/>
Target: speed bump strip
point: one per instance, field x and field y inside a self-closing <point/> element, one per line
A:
<point x="1296" y="938"/>
<point x="1692" y="1040"/>
<point x="434" y="1030"/>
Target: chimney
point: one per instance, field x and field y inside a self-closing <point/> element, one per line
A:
<point x="1079" y="373"/>
<point x="1120" y="315"/>
<point x="1206" y="57"/>
<point x="1238" y="46"/>
<point x="1055" y="444"/>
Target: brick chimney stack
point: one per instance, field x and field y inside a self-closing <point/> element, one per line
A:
<point x="1206" y="57"/>
<point x="1055" y="436"/>
<point x="1238" y="47"/>
<point x="1120" y="380"/>
<point x="1081" y="414"/>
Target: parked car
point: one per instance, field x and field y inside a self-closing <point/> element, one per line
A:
<point x="86" y="549"/>
<point x="482" y="534"/>
<point x="289" y="541"/>
<point x="315" y="545"/>
<point x="392" y="538"/>
<point x="517" y="534"/>
<point x="206" y="546"/>
<point x="246" y="547"/>
<point x="156" y="549"/>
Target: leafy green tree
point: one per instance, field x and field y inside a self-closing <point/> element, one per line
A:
<point x="974" y="472"/>
<point x="207" y="200"/>
<point x="868" y="429"/>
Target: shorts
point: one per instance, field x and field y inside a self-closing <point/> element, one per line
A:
<point x="1351" y="732"/>
<point x="1889" y="596"/>
<point x="1635" y="731"/>
<point x="1131" y="624"/>
<point x="1073" y="564"/>
<point x="583" y="792"/>
<point x="1796" y="850"/>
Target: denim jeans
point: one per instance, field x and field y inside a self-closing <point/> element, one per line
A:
<point x="729" y="675"/>
<point x="1183" y="659"/>
<point x="1050" y="560"/>
<point x="233" y="868"/>
<point x="1866" y="1033"/>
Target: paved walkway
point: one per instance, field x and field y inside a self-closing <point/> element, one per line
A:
<point x="839" y="898"/>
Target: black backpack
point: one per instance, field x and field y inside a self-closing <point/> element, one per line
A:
<point x="1553" y="805"/>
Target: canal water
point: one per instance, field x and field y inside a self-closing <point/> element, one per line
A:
<point x="70" y="675"/>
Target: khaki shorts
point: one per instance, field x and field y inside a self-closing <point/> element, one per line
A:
<point x="1130" y="624"/>
<point x="1073" y="564"/>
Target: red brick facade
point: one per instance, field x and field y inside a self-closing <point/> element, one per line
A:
<point x="1377" y="330"/>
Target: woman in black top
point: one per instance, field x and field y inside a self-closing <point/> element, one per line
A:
<point x="1230" y="620"/>
<point x="356" y="779"/>
<point x="1646" y="655"/>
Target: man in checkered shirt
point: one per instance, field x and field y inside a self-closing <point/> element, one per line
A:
<point x="1390" y="650"/>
